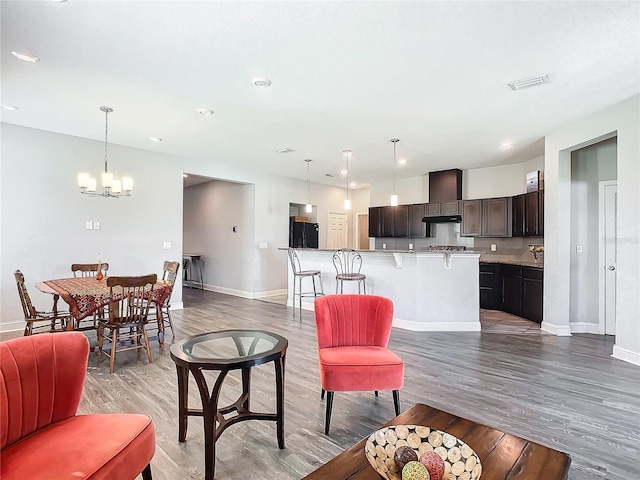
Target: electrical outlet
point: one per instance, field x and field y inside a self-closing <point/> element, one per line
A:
<point x="411" y="246"/>
<point x="234" y="229"/>
<point x="166" y="245"/>
<point x="578" y="249"/>
<point x="96" y="225"/>
<point x="384" y="246"/>
<point x="89" y="225"/>
<point x="493" y="247"/>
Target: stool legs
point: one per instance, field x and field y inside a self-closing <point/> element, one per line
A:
<point x="300" y="295"/>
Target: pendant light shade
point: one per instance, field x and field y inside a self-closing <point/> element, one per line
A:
<point x="347" y="201"/>
<point x="308" y="207"/>
<point x="393" y="200"/>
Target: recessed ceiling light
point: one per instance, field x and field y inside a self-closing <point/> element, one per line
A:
<point x="155" y="139"/>
<point x="506" y="145"/>
<point x="261" y="82"/>
<point x="352" y="184"/>
<point x="205" y="111"/>
<point x="343" y="171"/>
<point x="184" y="175"/>
<point x="402" y="161"/>
<point x="13" y="108"/>
<point x="25" y="57"/>
<point x="285" y="150"/>
<point x="529" y="82"/>
<point x="58" y="1"/>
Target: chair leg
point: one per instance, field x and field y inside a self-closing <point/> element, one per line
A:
<point x="364" y="287"/>
<point x="146" y="343"/>
<point x="322" y="394"/>
<point x="146" y="473"/>
<point x="376" y="393"/>
<point x="300" y="298"/>
<point x="396" y="401"/>
<point x="327" y="418"/>
<point x="293" y="298"/>
<point x="114" y="342"/>
<point x="173" y="335"/>
<point x="100" y="341"/>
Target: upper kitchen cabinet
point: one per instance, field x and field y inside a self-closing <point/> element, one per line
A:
<point x="375" y="221"/>
<point x="528" y="214"/>
<point x="487" y="217"/>
<point x="400" y="220"/>
<point x="445" y="186"/>
<point x="418" y="228"/>
<point x="442" y="209"/>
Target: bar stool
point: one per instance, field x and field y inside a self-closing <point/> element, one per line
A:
<point x="348" y="263"/>
<point x="299" y="275"/>
<point x="194" y="262"/>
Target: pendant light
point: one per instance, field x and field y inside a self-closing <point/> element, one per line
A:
<point x="111" y="187"/>
<point x="308" y="208"/>
<point x="393" y="201"/>
<point x="347" y="202"/>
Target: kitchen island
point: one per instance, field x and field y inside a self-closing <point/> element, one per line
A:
<point x="430" y="290"/>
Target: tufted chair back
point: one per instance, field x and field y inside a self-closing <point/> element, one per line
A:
<point x="41" y="380"/>
<point x="353" y="320"/>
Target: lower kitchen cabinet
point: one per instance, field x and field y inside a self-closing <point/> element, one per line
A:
<point x="513" y="289"/>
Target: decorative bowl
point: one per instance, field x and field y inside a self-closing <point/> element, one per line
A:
<point x="460" y="461"/>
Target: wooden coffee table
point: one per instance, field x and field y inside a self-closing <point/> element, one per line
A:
<point x="503" y="456"/>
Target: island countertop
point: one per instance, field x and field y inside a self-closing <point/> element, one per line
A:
<point x="431" y="290"/>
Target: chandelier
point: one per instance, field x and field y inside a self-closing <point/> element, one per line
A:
<point x="111" y="187"/>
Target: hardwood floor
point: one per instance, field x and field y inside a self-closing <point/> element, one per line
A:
<point x="563" y="392"/>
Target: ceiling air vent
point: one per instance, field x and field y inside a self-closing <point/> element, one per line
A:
<point x="331" y="175"/>
<point x="529" y="82"/>
<point x="285" y="150"/>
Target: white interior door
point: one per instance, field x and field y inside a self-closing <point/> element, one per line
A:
<point x="337" y="231"/>
<point x="608" y="254"/>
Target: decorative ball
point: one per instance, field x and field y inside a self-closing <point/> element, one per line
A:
<point x="434" y="465"/>
<point x="415" y="471"/>
<point x="405" y="455"/>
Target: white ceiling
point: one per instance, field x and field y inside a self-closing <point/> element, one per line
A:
<point x="344" y="75"/>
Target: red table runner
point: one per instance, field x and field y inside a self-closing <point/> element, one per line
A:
<point x="87" y="294"/>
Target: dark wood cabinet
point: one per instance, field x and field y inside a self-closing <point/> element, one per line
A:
<point x="490" y="294"/>
<point x="528" y="214"/>
<point x="517" y="227"/>
<point x="417" y="228"/>
<point x="532" y="293"/>
<point x="511" y="281"/>
<point x="387" y="224"/>
<point x="471" y="218"/>
<point x="444" y="208"/>
<point x="400" y="220"/>
<point x="445" y="185"/>
<point x="375" y="221"/>
<point x="487" y="217"/>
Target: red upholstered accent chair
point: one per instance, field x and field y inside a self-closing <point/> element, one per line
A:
<point x="41" y="437"/>
<point x="353" y="333"/>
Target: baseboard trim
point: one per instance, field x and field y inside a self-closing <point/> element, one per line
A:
<point x="14" y="326"/>
<point x="626" y="355"/>
<point x="436" y="326"/>
<point x="177" y="306"/>
<point x="584" y="327"/>
<point x="243" y="293"/>
<point x="559" y="330"/>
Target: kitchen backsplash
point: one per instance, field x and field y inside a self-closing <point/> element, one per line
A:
<point x="515" y="249"/>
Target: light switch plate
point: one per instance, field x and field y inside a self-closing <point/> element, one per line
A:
<point x="96" y="225"/>
<point x="262" y="245"/>
<point x="578" y="249"/>
<point x="89" y="225"/>
<point x="166" y="245"/>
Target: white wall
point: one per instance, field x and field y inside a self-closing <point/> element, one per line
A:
<point x="43" y="213"/>
<point x="621" y="119"/>
<point x="589" y="166"/>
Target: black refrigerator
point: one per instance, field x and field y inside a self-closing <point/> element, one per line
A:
<point x="303" y="234"/>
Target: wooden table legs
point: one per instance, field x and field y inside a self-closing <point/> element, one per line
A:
<point x="214" y="421"/>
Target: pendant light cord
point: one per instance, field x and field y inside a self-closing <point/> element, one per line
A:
<point x="394" y="141"/>
<point x="106" y="131"/>
<point x="308" y="184"/>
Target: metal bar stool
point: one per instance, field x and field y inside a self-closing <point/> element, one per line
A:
<point x="348" y="263"/>
<point x="299" y="275"/>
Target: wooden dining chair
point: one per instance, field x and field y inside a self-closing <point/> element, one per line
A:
<point x="169" y="275"/>
<point x="40" y="321"/>
<point x="124" y="329"/>
<point x="88" y="269"/>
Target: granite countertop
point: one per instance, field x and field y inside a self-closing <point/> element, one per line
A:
<point x="467" y="251"/>
<point x="521" y="263"/>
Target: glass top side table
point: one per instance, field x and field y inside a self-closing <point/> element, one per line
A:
<point x="224" y="351"/>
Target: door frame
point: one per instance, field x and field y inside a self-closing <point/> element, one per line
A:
<point x="601" y="253"/>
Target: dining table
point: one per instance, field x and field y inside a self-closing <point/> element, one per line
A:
<point x="87" y="295"/>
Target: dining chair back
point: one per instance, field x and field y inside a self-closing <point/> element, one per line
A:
<point x="41" y="435"/>
<point x="348" y="263"/>
<point x="353" y="333"/>
<point x="124" y="329"/>
<point x="169" y="275"/>
<point x="88" y="269"/>
<point x="39" y="321"/>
